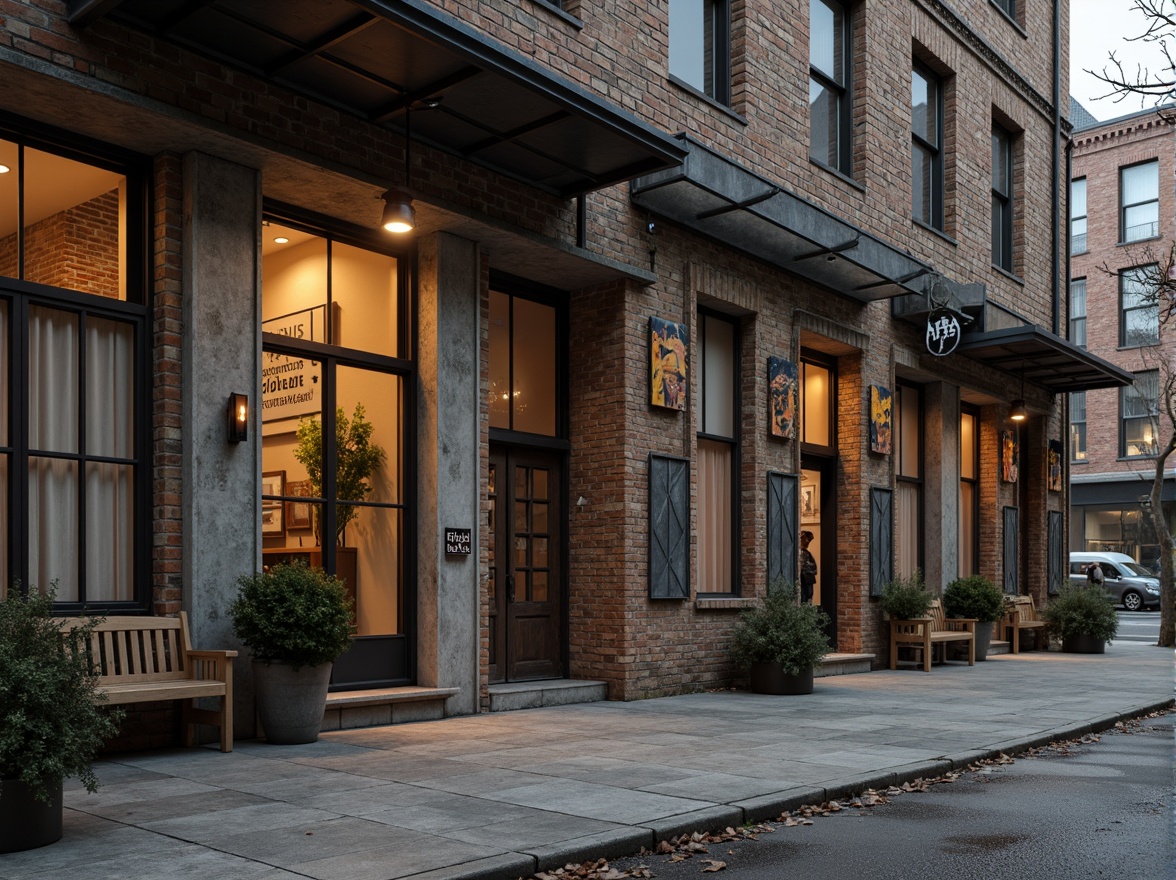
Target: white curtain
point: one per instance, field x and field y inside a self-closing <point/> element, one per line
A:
<point x="53" y="427"/>
<point x="906" y="529"/>
<point x="110" y="503"/>
<point x="714" y="517"/>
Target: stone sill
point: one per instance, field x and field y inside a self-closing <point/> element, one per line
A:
<point x="735" y="603"/>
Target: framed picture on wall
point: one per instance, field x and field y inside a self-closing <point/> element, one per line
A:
<point x="298" y="512"/>
<point x="810" y="509"/>
<point x="669" y="344"/>
<point x="782" y="397"/>
<point x="273" y="513"/>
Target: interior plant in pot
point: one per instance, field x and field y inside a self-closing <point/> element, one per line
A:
<point x="356" y="460"/>
<point x="1083" y="617"/>
<point x="977" y="598"/>
<point x="780" y="642"/>
<point x="296" y="622"/>
<point x="52" y="720"/>
<point x="906" y="598"/>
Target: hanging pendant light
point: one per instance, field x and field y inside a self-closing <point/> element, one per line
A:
<point x="1018" y="413"/>
<point x="399" y="215"/>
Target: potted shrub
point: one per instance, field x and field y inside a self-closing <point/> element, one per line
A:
<point x="1083" y="617"/>
<point x="978" y="598"/>
<point x="296" y="621"/>
<point x="52" y="721"/>
<point x="780" y="642"/>
<point x="906" y="598"/>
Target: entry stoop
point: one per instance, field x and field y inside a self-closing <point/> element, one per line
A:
<point x="843" y="664"/>
<point x="347" y="710"/>
<point x="552" y="692"/>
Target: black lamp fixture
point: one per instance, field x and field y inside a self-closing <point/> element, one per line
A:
<point x="399" y="215"/>
<point x="238" y="412"/>
<point x="1018" y="412"/>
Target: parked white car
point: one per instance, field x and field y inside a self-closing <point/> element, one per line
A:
<point x="1129" y="583"/>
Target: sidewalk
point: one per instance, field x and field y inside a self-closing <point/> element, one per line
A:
<point x="506" y="794"/>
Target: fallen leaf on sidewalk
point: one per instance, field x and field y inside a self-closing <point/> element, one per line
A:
<point x="712" y="865"/>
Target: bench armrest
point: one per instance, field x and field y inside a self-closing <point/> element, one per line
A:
<point x="960" y="624"/>
<point x="213" y="665"/>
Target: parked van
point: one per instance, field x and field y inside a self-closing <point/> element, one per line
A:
<point x="1128" y="582"/>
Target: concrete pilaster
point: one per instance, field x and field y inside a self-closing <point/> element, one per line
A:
<point x="221" y="355"/>
<point x="448" y="481"/>
<point x="941" y="481"/>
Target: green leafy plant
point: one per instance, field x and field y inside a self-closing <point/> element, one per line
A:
<point x="781" y="631"/>
<point x="975" y="597"/>
<point x="293" y="614"/>
<point x="52" y="720"/>
<point x="906" y="598"/>
<point x="1082" y="610"/>
<point x="356" y="459"/>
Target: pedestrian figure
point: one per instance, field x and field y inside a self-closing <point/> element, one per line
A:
<point x="1094" y="574"/>
<point x="808" y="567"/>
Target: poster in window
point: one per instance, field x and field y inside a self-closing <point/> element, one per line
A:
<point x="1008" y="456"/>
<point x="273" y="518"/>
<point x="810" y="504"/>
<point x="1053" y="467"/>
<point x="783" y="390"/>
<point x="881" y="420"/>
<point x="290" y="386"/>
<point x="669" y="348"/>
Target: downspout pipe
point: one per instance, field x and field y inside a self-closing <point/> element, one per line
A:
<point x="1056" y="189"/>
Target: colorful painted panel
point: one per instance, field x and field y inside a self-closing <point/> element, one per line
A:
<point x="669" y="347"/>
<point x="1008" y="456"/>
<point x="1053" y="466"/>
<point x="783" y="396"/>
<point x="881" y="420"/>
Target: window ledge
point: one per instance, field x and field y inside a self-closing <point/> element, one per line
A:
<point x="1010" y="275"/>
<point x="1079" y="253"/>
<point x="1137" y="241"/>
<point x="724" y="603"/>
<point x="703" y="96"/>
<point x="840" y="175"/>
<point x="1009" y="19"/>
<point x="559" y="13"/>
<point x="934" y="231"/>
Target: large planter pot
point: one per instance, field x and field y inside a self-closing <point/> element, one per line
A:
<point x="769" y="678"/>
<point x="983" y="639"/>
<point x="1083" y="644"/>
<point x="291" y="704"/>
<point x="25" y="822"/>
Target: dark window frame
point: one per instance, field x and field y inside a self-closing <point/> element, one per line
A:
<point x="936" y="214"/>
<point x="1078" y="453"/>
<point x="1078" y="319"/>
<point x="974" y="482"/>
<point x="1002" y="198"/>
<point x="1127" y="276"/>
<point x="716" y="25"/>
<point x="843" y="92"/>
<point x="1078" y="243"/>
<point x="1124" y="207"/>
<point x="920" y="478"/>
<point x="1130" y="391"/>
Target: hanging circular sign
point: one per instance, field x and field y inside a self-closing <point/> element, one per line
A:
<point x="943" y="332"/>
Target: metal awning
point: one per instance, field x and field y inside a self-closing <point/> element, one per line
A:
<point x="718" y="198"/>
<point x="373" y="59"/>
<point x="1043" y="359"/>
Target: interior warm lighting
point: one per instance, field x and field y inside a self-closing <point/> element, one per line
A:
<point x="1018" y="413"/>
<point x="399" y="214"/>
<point x="281" y="239"/>
<point x="4" y="169"/>
<point x="238" y="412"/>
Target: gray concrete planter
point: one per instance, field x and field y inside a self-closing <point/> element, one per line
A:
<point x="291" y="704"/>
<point x="983" y="639"/>
<point x="25" y="822"/>
<point x="1084" y="644"/>
<point x="769" y="678"/>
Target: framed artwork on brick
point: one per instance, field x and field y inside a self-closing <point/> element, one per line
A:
<point x="881" y="420"/>
<point x="1053" y="466"/>
<point x="783" y="393"/>
<point x="1008" y="456"/>
<point x="669" y="363"/>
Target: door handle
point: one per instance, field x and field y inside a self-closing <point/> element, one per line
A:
<point x="510" y="588"/>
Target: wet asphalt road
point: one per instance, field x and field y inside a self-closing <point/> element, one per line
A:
<point x="1105" y="809"/>
<point x="1138" y="626"/>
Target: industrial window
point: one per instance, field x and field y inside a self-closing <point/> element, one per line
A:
<point x="718" y="454"/>
<point x="969" y="498"/>
<point x="1078" y="312"/>
<point x="926" y="147"/>
<point x="1078" y="216"/>
<point x="908" y="516"/>
<point x="1139" y="201"/>
<point x="829" y="78"/>
<point x="1139" y="315"/>
<point x="1139" y="410"/>
<point x="1078" y="426"/>
<point x="1002" y="198"/>
<point x="700" y="51"/>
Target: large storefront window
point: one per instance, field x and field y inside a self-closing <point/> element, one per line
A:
<point x="908" y="514"/>
<point x="718" y="453"/>
<point x="969" y="500"/>
<point x="335" y="428"/>
<point x="74" y="494"/>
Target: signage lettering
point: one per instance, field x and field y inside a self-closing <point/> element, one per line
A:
<point x="943" y="332"/>
<point x="459" y="542"/>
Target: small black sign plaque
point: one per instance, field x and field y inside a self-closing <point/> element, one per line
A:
<point x="459" y="542"/>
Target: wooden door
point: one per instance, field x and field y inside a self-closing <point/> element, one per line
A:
<point x="526" y="566"/>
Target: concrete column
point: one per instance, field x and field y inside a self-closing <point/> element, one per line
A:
<point x="941" y="480"/>
<point x="221" y="355"/>
<point x="448" y="472"/>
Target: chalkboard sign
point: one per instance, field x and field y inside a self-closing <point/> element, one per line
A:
<point x="459" y="542"/>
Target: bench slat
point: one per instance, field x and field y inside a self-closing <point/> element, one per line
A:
<point x="934" y="629"/>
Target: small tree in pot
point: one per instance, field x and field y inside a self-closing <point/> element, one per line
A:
<point x="906" y="598"/>
<point x="296" y="622"/>
<point x="52" y="721"/>
<point x="1083" y="617"/>
<point x="978" y="598"/>
<point x="780" y="642"/>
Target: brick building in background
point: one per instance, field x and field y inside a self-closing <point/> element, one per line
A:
<point x="685" y="280"/>
<point x="1123" y="225"/>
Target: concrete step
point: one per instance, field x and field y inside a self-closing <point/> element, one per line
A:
<point x="346" y="710"/>
<point x="843" y="664"/>
<point x="553" y="692"/>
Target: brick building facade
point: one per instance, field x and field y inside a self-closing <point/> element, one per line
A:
<point x="1123" y="224"/>
<point x="681" y="286"/>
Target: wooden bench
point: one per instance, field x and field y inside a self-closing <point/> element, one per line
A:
<point x="934" y="629"/>
<point x="1021" y="614"/>
<point x="145" y="659"/>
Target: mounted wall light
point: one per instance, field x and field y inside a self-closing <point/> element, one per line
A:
<point x="399" y="214"/>
<point x="238" y="412"/>
<point x="1018" y="413"/>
